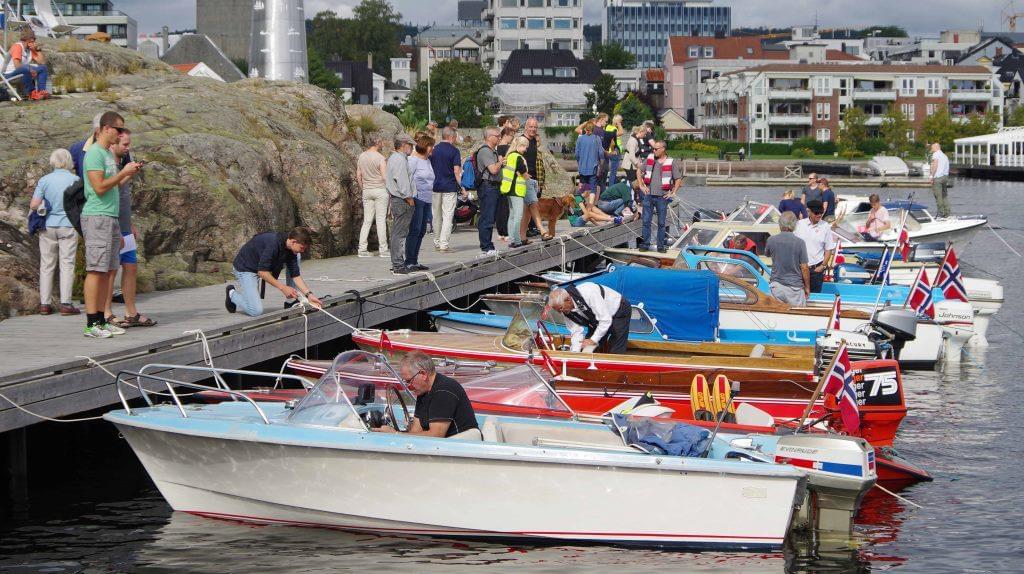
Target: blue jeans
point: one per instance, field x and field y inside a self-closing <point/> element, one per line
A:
<point x="488" y="194"/>
<point x="652" y="202"/>
<point x="417" y="230"/>
<point x="612" y="207"/>
<point x="25" y="73"/>
<point x="614" y="161"/>
<point x="247" y="295"/>
<point x="515" y="218"/>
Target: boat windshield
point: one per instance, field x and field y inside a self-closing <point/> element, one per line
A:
<point x="730" y="268"/>
<point x="755" y="212"/>
<point x="520" y="391"/>
<point x="355" y="379"/>
<point x="696" y="236"/>
<point x="520" y="331"/>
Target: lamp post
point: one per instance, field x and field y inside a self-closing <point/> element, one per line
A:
<point x="430" y="117"/>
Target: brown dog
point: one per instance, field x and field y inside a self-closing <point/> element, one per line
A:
<point x="552" y="209"/>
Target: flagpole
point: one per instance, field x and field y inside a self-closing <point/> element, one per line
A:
<point x="821" y="384"/>
<point x="430" y="116"/>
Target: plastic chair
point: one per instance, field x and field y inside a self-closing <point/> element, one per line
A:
<point x="6" y="60"/>
<point x="52" y="25"/>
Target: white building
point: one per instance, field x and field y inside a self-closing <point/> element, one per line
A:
<point x="947" y="49"/>
<point x="92" y="16"/>
<point x="810" y="35"/>
<point x="626" y="80"/>
<point x="550" y="85"/>
<point x="531" y="24"/>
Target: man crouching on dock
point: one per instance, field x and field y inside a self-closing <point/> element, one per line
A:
<point x="263" y="257"/>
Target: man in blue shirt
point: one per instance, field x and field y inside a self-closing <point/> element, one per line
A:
<point x="447" y="164"/>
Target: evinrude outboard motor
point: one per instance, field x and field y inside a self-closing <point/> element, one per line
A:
<point x="896" y="324"/>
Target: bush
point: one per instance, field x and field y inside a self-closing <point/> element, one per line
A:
<point x="873" y="146"/>
<point x="770" y="149"/>
<point x="692" y="145"/>
<point x="819" y="148"/>
<point x="802" y="152"/>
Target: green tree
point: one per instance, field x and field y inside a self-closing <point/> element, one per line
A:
<point x="458" y="90"/>
<point x="319" y="75"/>
<point x="894" y="132"/>
<point x="1016" y="117"/>
<point x="604" y="94"/>
<point x="883" y="31"/>
<point x="612" y="57"/>
<point x="327" y="35"/>
<point x="852" y="132"/>
<point x="633" y="111"/>
<point x="374" y="30"/>
<point x="939" y="127"/>
<point x="979" y="125"/>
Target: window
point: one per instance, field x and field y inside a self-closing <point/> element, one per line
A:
<point x="933" y="87"/>
<point x="709" y="51"/>
<point x="562" y="3"/>
<point x="509" y="3"/>
<point x="823" y="85"/>
<point x="910" y="135"/>
<point x="693" y="52"/>
<point x="844" y="87"/>
<point x="930" y="109"/>
<point x="565" y="72"/>
<point x="509" y="23"/>
<point x="527" y="71"/>
<point x="908" y="111"/>
<point x="535" y="3"/>
<point x="824" y="110"/>
<point x="824" y="135"/>
<point x="563" y="23"/>
<point x="508" y="45"/>
<point x="549" y="71"/>
<point x="908" y="87"/>
<point x="759" y="111"/>
<point x="535" y="23"/>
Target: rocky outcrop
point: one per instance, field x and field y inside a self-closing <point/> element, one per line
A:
<point x="224" y="161"/>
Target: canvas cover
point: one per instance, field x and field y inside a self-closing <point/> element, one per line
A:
<point x="683" y="302"/>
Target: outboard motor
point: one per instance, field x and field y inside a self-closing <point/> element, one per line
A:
<point x="896" y="324"/>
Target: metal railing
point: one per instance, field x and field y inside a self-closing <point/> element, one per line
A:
<point x="170" y="384"/>
<point x="693" y="167"/>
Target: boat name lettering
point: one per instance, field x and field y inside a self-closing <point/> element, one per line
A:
<point x="802" y="450"/>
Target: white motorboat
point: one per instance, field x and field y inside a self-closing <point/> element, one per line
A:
<point x="319" y="464"/>
<point x="852" y="213"/>
<point x="888" y="166"/>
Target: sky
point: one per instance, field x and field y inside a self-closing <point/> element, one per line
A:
<point x="919" y="18"/>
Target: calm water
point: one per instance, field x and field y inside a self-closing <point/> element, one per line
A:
<point x="91" y="508"/>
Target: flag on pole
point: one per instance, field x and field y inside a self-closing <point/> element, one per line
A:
<point x="904" y="244"/>
<point x="949" y="278"/>
<point x="920" y="298"/>
<point x="839" y="383"/>
<point x="833" y="321"/>
<point x="882" y="275"/>
<point x="839" y="258"/>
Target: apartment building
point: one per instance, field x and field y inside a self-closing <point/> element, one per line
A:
<point x="643" y="27"/>
<point x="531" y="25"/>
<point x="946" y="49"/>
<point x="91" y="16"/>
<point x="550" y="85"/>
<point x="785" y="102"/>
<point x="441" y="43"/>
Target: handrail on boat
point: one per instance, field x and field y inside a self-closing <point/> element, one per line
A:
<point x="219" y="371"/>
<point x="170" y="384"/>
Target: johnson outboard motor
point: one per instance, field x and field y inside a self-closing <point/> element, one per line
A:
<point x="896" y="324"/>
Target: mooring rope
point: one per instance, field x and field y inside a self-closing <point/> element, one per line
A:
<point x="891" y="493"/>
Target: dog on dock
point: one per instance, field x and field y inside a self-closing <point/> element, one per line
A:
<point x="552" y="209"/>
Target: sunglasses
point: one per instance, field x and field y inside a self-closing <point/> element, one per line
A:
<point x="119" y="130"/>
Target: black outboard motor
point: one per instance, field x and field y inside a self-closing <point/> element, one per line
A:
<point x="896" y="324"/>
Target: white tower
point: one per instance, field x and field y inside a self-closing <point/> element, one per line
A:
<point x="278" y="47"/>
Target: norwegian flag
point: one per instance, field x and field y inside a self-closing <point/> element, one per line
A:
<point x="920" y="298"/>
<point x="839" y="258"/>
<point x="904" y="244"/>
<point x="837" y="311"/>
<point x="882" y="275"/>
<point x="949" y="278"/>
<point x="839" y="382"/>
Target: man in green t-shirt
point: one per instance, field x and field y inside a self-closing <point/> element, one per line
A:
<point x="99" y="223"/>
<point x="616" y="198"/>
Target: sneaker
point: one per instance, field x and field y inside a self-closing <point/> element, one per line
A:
<point x="490" y="253"/>
<point x="643" y="248"/>
<point x="417" y="267"/>
<point x="69" y="309"/>
<point x="112" y="329"/>
<point x="532" y="232"/>
<point x="96" y="332"/>
<point x="385" y="254"/>
<point x="515" y="245"/>
<point x="662" y="250"/>
<point x="445" y="250"/>
<point x="45" y="310"/>
<point x="228" y="303"/>
<point x="401" y="271"/>
<point x="364" y="254"/>
<point x="617" y="221"/>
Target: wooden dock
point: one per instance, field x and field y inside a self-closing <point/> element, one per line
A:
<point x="45" y="372"/>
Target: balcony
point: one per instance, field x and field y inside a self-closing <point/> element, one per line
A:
<point x="487" y="15"/>
<point x="789" y="119"/>
<point x="874" y="95"/>
<point x="970" y="95"/>
<point x="789" y="94"/>
<point x="874" y="120"/>
<point x="720" y="121"/>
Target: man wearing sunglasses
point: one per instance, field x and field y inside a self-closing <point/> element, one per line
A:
<point x="442" y="408"/>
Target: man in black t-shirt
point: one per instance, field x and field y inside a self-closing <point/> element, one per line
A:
<point x="442" y="407"/>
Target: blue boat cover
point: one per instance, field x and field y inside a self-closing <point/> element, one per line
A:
<point x="684" y="302"/>
<point x="659" y="436"/>
<point x="903" y="204"/>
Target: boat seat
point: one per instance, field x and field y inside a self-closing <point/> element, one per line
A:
<point x="490" y="431"/>
<point x="531" y="434"/>
<point x="471" y="434"/>
<point x="747" y="414"/>
<point x="757" y="352"/>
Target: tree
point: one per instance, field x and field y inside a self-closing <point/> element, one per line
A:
<point x="326" y="34"/>
<point x="894" y="132"/>
<point x="605" y="96"/>
<point x="939" y="127"/>
<point x="633" y="111"/>
<point x="458" y="90"/>
<point x="374" y="30"/>
<point x="1016" y="117"/>
<point x="852" y="132"/>
<point x="319" y="75"/>
<point x="612" y="57"/>
<point x="979" y="125"/>
<point x="883" y="31"/>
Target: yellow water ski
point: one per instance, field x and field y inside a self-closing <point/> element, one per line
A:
<point x="722" y="395"/>
<point x="700" y="399"/>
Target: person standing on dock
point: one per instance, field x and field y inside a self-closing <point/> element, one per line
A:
<point x="263" y="257"/>
<point x="508" y="134"/>
<point x="811" y="191"/>
<point x="535" y="184"/>
<point x="402" y="200"/>
<point x="594" y="314"/>
<point x="488" y="165"/>
<point x="940" y="179"/>
<point x="817" y="236"/>
<point x="791" y="279"/>
<point x="370" y="169"/>
<point x="99" y="220"/>
<point x="447" y="165"/>
<point x="58" y="242"/>
<point x="514" y="179"/>
<point x="422" y="175"/>
<point x="659" y="179"/>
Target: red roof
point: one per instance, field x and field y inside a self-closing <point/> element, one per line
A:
<point x="839" y="55"/>
<point x="731" y="48"/>
<point x="655" y="75"/>
<point x="184" y="68"/>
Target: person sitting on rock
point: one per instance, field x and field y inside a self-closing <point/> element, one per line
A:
<point x="263" y="257"/>
<point x="29" y="64"/>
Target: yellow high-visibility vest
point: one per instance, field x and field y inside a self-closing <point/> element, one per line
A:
<point x="509" y="177"/>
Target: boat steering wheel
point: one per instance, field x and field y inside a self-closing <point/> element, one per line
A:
<point x="389" y="410"/>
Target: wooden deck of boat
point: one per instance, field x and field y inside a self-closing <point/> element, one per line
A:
<point x="43" y="369"/>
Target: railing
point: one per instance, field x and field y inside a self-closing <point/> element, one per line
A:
<point x="693" y="167"/>
<point x="170" y="384"/>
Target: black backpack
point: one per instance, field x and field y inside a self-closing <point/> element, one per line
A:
<point x="74" y="201"/>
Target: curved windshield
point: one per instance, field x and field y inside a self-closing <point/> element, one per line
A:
<point x="517" y="391"/>
<point x="696" y="236"/>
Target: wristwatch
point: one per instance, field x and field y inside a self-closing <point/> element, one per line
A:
<point x="308" y="293"/>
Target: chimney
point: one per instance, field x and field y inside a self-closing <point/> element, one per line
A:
<point x="165" y="44"/>
<point x="369" y="60"/>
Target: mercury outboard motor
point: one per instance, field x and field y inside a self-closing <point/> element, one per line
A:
<point x="896" y="324"/>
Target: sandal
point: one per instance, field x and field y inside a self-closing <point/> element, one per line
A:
<point x="138" y="321"/>
<point x="547" y="237"/>
<point x="111" y="319"/>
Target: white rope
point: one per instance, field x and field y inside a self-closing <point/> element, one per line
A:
<point x="433" y="280"/>
<point x="887" y="491"/>
<point x="992" y="229"/>
<point x="46" y="418"/>
<point x="363" y="279"/>
<point x="201" y="337"/>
